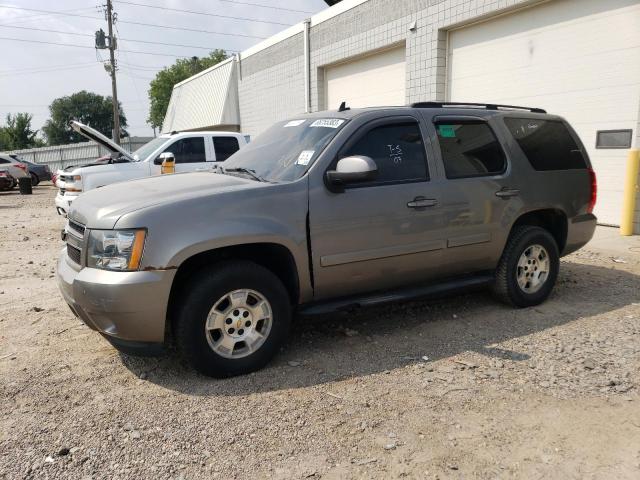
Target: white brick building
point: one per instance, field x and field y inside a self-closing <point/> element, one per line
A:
<point x="576" y="58"/>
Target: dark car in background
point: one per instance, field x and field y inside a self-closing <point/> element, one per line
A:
<point x="7" y="182"/>
<point x="39" y="173"/>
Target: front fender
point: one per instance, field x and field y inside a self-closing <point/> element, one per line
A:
<point x="266" y="213"/>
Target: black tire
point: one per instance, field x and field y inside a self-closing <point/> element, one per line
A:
<point x="202" y="293"/>
<point x="34" y="179"/>
<point x="506" y="286"/>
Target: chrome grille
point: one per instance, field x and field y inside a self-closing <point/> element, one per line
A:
<point x="76" y="227"/>
<point x="74" y="253"/>
<point x="75" y="241"/>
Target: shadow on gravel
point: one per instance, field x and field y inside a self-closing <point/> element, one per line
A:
<point x="332" y="348"/>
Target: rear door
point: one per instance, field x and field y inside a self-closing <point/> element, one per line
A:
<point x="479" y="195"/>
<point x="383" y="233"/>
<point x="224" y="147"/>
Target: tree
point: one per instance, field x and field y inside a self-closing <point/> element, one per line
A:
<point x="161" y="87"/>
<point x="17" y="134"/>
<point x="85" y="107"/>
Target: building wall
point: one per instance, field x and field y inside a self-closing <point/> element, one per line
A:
<point x="271" y="85"/>
<point x="277" y="72"/>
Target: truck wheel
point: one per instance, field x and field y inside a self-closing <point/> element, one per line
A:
<point x="528" y="268"/>
<point x="233" y="319"/>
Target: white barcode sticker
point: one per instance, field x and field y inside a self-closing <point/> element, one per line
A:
<point x="293" y="123"/>
<point x="305" y="157"/>
<point x="328" y="123"/>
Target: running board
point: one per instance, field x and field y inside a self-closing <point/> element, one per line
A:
<point x="396" y="295"/>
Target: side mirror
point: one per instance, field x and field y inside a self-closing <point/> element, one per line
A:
<point x="355" y="169"/>
<point x="164" y="156"/>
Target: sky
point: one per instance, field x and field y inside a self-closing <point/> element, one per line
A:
<point x="33" y="74"/>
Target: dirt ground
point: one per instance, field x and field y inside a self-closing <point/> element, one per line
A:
<point x="462" y="387"/>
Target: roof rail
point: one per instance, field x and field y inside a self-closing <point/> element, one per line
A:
<point x="487" y="106"/>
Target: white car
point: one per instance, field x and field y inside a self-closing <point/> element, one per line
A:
<point x="192" y="151"/>
<point x="15" y="168"/>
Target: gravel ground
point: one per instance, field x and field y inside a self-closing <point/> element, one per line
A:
<point x="462" y="387"/>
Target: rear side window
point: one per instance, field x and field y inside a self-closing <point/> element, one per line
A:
<point x="225" y="147"/>
<point x="398" y="151"/>
<point x="547" y="144"/>
<point x="188" y="150"/>
<point x="470" y="149"/>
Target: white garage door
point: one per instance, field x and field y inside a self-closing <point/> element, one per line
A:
<point x="576" y="58"/>
<point x="374" y="80"/>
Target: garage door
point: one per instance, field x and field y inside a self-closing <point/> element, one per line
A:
<point x="576" y="58"/>
<point x="374" y="80"/>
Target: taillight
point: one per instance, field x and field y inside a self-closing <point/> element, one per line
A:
<point x="22" y="166"/>
<point x="594" y="191"/>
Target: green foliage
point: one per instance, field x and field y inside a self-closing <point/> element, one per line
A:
<point x="17" y="133"/>
<point x="85" y="107"/>
<point x="161" y="87"/>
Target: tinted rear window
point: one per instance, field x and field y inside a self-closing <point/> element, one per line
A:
<point x="469" y="149"/>
<point x="225" y="147"/>
<point x="547" y="144"/>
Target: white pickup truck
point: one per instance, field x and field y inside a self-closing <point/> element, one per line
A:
<point x="192" y="151"/>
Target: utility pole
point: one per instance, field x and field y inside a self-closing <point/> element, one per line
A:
<point x="114" y="88"/>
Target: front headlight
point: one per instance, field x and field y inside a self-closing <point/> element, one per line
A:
<point x="119" y="250"/>
<point x="73" y="183"/>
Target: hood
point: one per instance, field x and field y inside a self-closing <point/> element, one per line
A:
<point x="100" y="139"/>
<point x="102" y="207"/>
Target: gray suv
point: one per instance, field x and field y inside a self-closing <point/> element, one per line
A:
<point x="329" y="211"/>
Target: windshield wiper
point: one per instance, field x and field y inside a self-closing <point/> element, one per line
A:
<point x="248" y="171"/>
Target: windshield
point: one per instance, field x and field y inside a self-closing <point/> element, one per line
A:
<point x="286" y="150"/>
<point x="148" y="148"/>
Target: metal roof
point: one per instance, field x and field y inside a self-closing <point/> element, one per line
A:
<point x="208" y="99"/>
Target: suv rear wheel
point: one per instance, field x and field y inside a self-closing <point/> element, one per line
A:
<point x="528" y="268"/>
<point x="233" y="320"/>
<point x="34" y="179"/>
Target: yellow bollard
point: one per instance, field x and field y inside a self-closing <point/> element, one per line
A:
<point x="631" y="190"/>
<point x="168" y="166"/>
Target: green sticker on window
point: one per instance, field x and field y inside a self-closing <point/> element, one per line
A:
<point x="446" y="131"/>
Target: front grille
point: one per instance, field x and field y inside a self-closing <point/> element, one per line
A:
<point x="76" y="227"/>
<point x="74" y="253"/>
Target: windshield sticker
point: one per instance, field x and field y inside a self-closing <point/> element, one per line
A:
<point x="294" y="123"/>
<point x="446" y="131"/>
<point x="305" y="157"/>
<point x="328" y="123"/>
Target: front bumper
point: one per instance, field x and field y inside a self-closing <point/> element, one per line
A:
<point x="129" y="308"/>
<point x="63" y="203"/>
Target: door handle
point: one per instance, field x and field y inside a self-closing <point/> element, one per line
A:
<point x="421" y="202"/>
<point x="507" y="193"/>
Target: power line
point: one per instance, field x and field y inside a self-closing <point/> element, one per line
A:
<point x="231" y="17"/>
<point x="267" y="6"/>
<point x="182" y="29"/>
<point x="29" y="18"/>
<point x="120" y="38"/>
<point x="41" y="67"/>
<point x="44" y="70"/>
<point x="87" y="46"/>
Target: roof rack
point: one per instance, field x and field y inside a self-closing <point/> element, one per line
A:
<point x="487" y="106"/>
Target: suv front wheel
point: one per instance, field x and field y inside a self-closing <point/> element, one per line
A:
<point x="233" y="320"/>
<point x="528" y="268"/>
